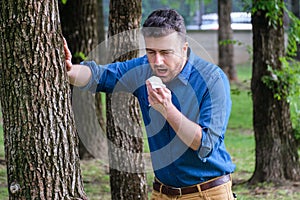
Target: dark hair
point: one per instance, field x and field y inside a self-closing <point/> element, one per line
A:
<point x="163" y="22"/>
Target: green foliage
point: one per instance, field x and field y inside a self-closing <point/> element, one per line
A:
<point x="285" y="81"/>
<point x="247" y="5"/>
<point x="285" y="86"/>
<point x="273" y="8"/>
<point x="186" y="8"/>
<point x="80" y="55"/>
<point x="290" y="74"/>
<point x="296" y="118"/>
<point x="239" y="43"/>
<point x="173" y="4"/>
<point x="293" y="34"/>
<point x="226" y="42"/>
<point x="274" y="12"/>
<point x="64" y="1"/>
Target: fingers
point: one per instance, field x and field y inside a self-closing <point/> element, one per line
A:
<point x="67" y="50"/>
<point x="149" y="86"/>
<point x="158" y="95"/>
<point x="68" y="55"/>
<point x="150" y="92"/>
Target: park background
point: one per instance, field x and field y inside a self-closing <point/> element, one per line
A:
<point x="239" y="138"/>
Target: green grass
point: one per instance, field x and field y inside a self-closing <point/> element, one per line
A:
<point x="239" y="142"/>
<point x="3" y="176"/>
<point x="241" y="146"/>
<point x="239" y="138"/>
<point x="96" y="181"/>
<point x="241" y="111"/>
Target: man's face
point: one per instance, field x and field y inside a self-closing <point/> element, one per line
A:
<point x="167" y="55"/>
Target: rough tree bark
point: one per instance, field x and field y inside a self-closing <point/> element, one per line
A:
<point x="124" y="132"/>
<point x="80" y="28"/>
<point x="276" y="151"/>
<point x="39" y="132"/>
<point x="226" y="61"/>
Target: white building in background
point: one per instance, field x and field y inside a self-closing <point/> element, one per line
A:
<point x="239" y="21"/>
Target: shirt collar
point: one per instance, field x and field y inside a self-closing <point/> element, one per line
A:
<point x="185" y="73"/>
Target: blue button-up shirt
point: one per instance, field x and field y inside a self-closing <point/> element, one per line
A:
<point x="201" y="92"/>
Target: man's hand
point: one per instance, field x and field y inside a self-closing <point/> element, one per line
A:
<point x="188" y="131"/>
<point x="79" y="75"/>
<point x="159" y="98"/>
<point x="68" y="56"/>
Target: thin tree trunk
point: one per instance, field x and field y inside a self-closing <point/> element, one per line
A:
<point x="80" y="28"/>
<point x="100" y="97"/>
<point x="127" y="178"/>
<point x="276" y="151"/>
<point x="226" y="61"/>
<point x="39" y="130"/>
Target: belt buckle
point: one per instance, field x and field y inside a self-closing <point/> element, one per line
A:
<point x="180" y="191"/>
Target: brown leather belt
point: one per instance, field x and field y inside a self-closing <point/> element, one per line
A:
<point x="172" y="191"/>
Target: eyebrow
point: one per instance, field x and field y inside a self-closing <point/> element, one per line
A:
<point x="162" y="50"/>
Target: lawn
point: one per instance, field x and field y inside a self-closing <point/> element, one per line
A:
<point x="239" y="142"/>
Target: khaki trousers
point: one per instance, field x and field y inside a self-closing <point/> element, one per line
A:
<point x="221" y="192"/>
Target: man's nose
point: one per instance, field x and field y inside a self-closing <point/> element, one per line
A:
<point x="158" y="60"/>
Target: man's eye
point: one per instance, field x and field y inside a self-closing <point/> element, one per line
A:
<point x="166" y="52"/>
<point x="151" y="52"/>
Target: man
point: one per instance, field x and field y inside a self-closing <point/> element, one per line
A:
<point x="185" y="118"/>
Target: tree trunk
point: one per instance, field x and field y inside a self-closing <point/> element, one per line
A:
<point x="127" y="178"/>
<point x="39" y="130"/>
<point x="100" y="97"/>
<point x="276" y="150"/>
<point x="79" y="24"/>
<point x="226" y="61"/>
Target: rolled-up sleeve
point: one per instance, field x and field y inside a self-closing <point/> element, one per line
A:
<point x="214" y="114"/>
<point x="105" y="77"/>
<point x="97" y="71"/>
<point x="124" y="76"/>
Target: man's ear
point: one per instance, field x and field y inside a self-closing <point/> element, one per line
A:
<point x="185" y="48"/>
